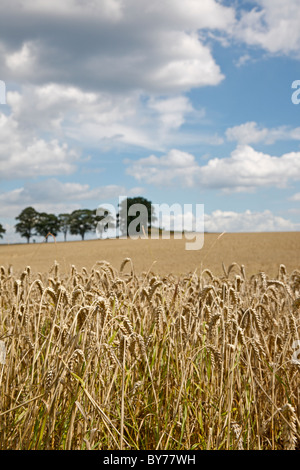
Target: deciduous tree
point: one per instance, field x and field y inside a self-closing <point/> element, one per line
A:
<point x="82" y="221"/>
<point x="144" y="215"/>
<point x="27" y="220"/>
<point x="45" y="224"/>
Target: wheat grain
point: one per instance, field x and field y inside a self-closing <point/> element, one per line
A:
<point x="289" y="434"/>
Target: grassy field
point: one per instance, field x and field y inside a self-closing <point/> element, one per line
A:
<point x="106" y="350"/>
<point x="256" y="251"/>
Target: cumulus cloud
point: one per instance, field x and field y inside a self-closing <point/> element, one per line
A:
<point x="245" y="170"/>
<point x="246" y="133"/>
<point x="52" y="195"/>
<point x="103" y="119"/>
<point x="111" y="72"/>
<point x="24" y="156"/>
<point x="112" y="45"/>
<point x="21" y="61"/>
<point x="250" y="133"/>
<point x="271" y="26"/>
<point x="117" y="84"/>
<point x="171" y="111"/>
<point x="119" y="46"/>
<point x="175" y="166"/>
<point x="248" y="221"/>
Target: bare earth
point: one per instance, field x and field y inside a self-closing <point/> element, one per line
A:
<point x="256" y="251"/>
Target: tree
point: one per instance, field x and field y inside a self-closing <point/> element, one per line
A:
<point x="28" y="218"/>
<point x="82" y="221"/>
<point x="46" y="223"/>
<point x="104" y="220"/>
<point x="64" y="224"/>
<point x="2" y="230"/>
<point x="127" y="215"/>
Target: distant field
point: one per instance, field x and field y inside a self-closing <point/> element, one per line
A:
<point x="256" y="251"/>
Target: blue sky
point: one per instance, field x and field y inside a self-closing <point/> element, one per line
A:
<point x="178" y="101"/>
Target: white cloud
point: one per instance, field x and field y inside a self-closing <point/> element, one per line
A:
<point x="24" y="156"/>
<point x="179" y="219"/>
<point x="272" y="25"/>
<point x="113" y="45"/>
<point x="120" y="83"/>
<point x="117" y="46"/>
<point x="246" y="133"/>
<point x="103" y="119"/>
<point x="249" y="133"/>
<point x="23" y="60"/>
<point x="171" y="111"/>
<point x="230" y="221"/>
<point x="295" y="197"/>
<point x="52" y="195"/>
<point x="188" y="64"/>
<point x="175" y="166"/>
<point x="245" y="170"/>
<point x="242" y="60"/>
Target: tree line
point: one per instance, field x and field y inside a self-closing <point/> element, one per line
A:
<point x="32" y="223"/>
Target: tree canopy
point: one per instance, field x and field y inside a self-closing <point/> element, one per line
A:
<point x="79" y="222"/>
<point x="27" y="222"/>
<point x="82" y="221"/>
<point x="45" y="224"/>
<point x="135" y="215"/>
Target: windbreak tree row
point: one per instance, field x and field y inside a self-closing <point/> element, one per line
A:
<point x="79" y="222"/>
<point x="31" y="223"/>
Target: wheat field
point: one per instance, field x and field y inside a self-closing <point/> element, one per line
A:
<point x="110" y="357"/>
<point x="256" y="251"/>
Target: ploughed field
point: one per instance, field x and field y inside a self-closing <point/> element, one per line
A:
<point x="143" y="345"/>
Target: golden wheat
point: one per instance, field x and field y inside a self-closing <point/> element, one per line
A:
<point x="109" y="360"/>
